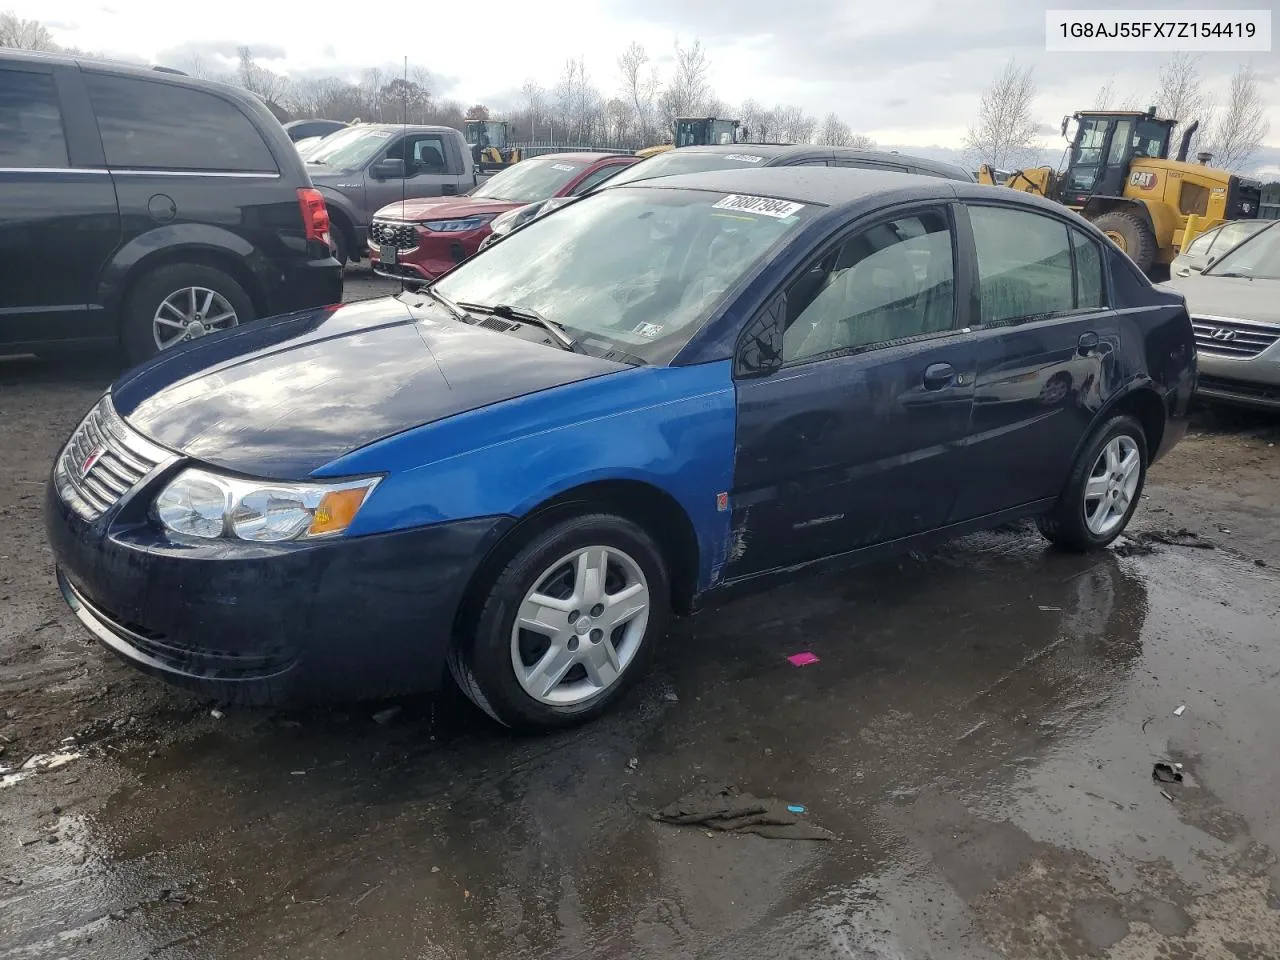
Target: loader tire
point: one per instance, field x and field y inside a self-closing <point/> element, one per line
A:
<point x="1132" y="234"/>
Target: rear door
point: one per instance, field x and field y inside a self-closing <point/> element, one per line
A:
<point x="1048" y="346"/>
<point x="856" y="439"/>
<point x="58" y="217"/>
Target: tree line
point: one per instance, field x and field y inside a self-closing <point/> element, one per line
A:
<point x="634" y="108"/>
<point x="1005" y="132"/>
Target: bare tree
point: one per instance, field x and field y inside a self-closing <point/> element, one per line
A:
<point x="255" y="78"/>
<point x="793" y="125"/>
<point x="1180" y="96"/>
<point x="1243" y="125"/>
<point x="1106" y="95"/>
<point x="639" y="87"/>
<point x="25" y="34"/>
<point x="757" y="119"/>
<point x="1005" y="130"/>
<point x="690" y="90"/>
<point x="834" y="132"/>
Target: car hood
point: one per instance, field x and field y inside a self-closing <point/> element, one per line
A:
<point x="443" y="208"/>
<point x="282" y="398"/>
<point x="1238" y="297"/>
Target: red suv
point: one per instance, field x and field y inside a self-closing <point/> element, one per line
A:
<point x="421" y="239"/>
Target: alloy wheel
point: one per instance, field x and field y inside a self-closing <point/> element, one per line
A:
<point x="580" y="626"/>
<point x="190" y="313"/>
<point x="1111" y="486"/>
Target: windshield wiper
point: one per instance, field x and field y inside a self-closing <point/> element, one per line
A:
<point x="1233" y="273"/>
<point x="528" y="315"/>
<point x="448" y="304"/>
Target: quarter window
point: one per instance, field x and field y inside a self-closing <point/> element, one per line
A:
<point x="1200" y="245"/>
<point x="150" y="125"/>
<point x="596" y="177"/>
<point x="1024" y="265"/>
<point x="892" y="281"/>
<point x="30" y="123"/>
<point x="1089" y="289"/>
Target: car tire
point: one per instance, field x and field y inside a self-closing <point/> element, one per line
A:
<point x="1081" y="521"/>
<point x="341" y="245"/>
<point x="483" y="660"/>
<point x="138" y="325"/>
<point x="1132" y="234"/>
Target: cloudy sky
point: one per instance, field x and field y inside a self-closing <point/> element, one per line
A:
<point x="908" y="72"/>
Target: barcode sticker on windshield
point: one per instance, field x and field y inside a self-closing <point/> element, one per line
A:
<point x="766" y="206"/>
<point x="743" y="157"/>
<point x="563" y="166"/>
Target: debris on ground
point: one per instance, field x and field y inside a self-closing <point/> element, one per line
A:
<point x="1166" y="795"/>
<point x="633" y="763"/>
<point x="1133" y="548"/>
<point x="15" y="881"/>
<point x="1180" y="711"/>
<point x="1182" y="537"/>
<point x="1047" y="609"/>
<point x="387" y="715"/>
<point x="1165" y="773"/>
<point x="671" y="697"/>
<point x="802" y="659"/>
<point x="216" y="713"/>
<point x="729" y="810"/>
<point x="1259" y="563"/>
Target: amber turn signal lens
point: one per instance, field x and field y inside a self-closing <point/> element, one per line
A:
<point x="336" y="511"/>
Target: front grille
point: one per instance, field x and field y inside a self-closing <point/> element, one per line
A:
<point x="1239" y="388"/>
<point x="103" y="460"/>
<point x="1241" y="339"/>
<point x="402" y="236"/>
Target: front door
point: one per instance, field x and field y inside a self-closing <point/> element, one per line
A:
<point x="426" y="168"/>
<point x="1047" y="356"/>
<point x="853" y="441"/>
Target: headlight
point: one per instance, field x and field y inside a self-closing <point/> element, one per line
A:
<point x="198" y="503"/>
<point x="457" y="226"/>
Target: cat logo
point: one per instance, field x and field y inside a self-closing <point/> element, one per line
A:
<point x="1143" y="179"/>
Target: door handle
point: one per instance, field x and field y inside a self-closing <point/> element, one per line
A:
<point x="449" y="189"/>
<point x="938" y="375"/>
<point x="1088" y="341"/>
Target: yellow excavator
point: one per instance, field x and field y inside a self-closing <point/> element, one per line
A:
<point x="1120" y="177"/>
<point x="488" y="142"/>
<point x="698" y="132"/>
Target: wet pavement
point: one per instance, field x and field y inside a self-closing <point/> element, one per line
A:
<point x="979" y="732"/>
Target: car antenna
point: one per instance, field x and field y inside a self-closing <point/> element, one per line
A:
<point x="404" y="151"/>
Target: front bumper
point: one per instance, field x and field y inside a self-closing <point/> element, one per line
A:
<point x="1251" y="382"/>
<point x="435" y="255"/>
<point x="342" y="619"/>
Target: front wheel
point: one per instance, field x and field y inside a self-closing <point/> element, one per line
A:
<point x="567" y="626"/>
<point x="1103" y="489"/>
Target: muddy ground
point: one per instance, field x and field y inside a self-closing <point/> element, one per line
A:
<point x="979" y="732"/>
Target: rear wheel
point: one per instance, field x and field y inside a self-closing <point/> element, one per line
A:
<point x="569" y="623"/>
<point x="177" y="303"/>
<point x="1132" y="234"/>
<point x="1103" y="489"/>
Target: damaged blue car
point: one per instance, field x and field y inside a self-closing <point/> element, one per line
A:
<point x="662" y="393"/>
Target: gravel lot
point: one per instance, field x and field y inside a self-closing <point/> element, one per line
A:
<point x="979" y="732"/>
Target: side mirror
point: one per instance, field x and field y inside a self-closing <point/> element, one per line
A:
<point x="388" y="169"/>
<point x="1210" y="262"/>
<point x="760" y="346"/>
<point x="1065" y="121"/>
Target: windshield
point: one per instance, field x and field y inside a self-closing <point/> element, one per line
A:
<point x="530" y="180"/>
<point x="348" y="149"/>
<point x="675" y="162"/>
<point x="635" y="270"/>
<point x="1258" y="256"/>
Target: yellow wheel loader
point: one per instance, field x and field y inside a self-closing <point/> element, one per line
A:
<point x="1119" y="176"/>
<point x="699" y="132"/>
<point x="488" y="142"/>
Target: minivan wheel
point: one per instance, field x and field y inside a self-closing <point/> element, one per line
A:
<point x="177" y="303"/>
<point x="1103" y="489"/>
<point x="567" y="626"/>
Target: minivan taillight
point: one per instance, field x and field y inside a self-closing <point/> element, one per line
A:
<point x="315" y="215"/>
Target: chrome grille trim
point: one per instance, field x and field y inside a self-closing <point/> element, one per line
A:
<point x="395" y="233"/>
<point x="1233" y="337"/>
<point x="119" y="459"/>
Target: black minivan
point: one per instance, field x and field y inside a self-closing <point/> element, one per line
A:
<point x="144" y="207"/>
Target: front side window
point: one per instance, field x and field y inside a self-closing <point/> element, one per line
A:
<point x="530" y="180"/>
<point x="350" y="149"/>
<point x="151" y="125"/>
<point x="892" y="281"/>
<point x="631" y="269"/>
<point x="597" y="177"/>
<point x="30" y="121"/>
<point x="1120" y="142"/>
<point x="422" y="153"/>
<point x="1234" y="234"/>
<point x="1201" y="244"/>
<point x="1024" y="264"/>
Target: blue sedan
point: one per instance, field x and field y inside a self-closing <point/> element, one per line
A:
<point x="665" y="391"/>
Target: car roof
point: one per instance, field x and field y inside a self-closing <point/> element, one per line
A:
<point x="940" y="167"/>
<point x="770" y="151"/>
<point x="583" y="156"/>
<point x="779" y="153"/>
<point x="828" y="186"/>
<point x="405" y="127"/>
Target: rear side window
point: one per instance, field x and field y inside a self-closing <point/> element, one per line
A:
<point x="1024" y="265"/>
<point x="30" y="121"/>
<point x="1089" y="290"/>
<point x="148" y="125"/>
<point x="596" y="177"/>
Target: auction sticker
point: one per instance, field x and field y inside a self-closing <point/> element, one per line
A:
<point x="765" y="206"/>
<point x="743" y="157"/>
<point x="563" y="166"/>
<point x="648" y="330"/>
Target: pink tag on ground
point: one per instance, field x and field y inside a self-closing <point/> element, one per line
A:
<point x="802" y="659"/>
